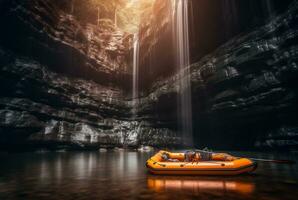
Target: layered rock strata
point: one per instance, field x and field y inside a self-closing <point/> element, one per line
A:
<point x="65" y="84"/>
<point x="241" y="92"/>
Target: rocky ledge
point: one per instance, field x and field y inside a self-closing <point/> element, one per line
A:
<point x="42" y="108"/>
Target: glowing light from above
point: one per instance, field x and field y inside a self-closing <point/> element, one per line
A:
<point x="131" y="3"/>
<point x="129" y="15"/>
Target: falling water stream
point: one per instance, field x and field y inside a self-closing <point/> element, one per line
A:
<point x="135" y="86"/>
<point x="181" y="41"/>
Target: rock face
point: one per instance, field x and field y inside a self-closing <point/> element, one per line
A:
<point x="42" y="108"/>
<point x="212" y="23"/>
<point x="156" y="47"/>
<point x="242" y="91"/>
<point x="40" y="30"/>
<point x="67" y="84"/>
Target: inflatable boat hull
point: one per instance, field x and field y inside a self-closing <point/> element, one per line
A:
<point x="232" y="167"/>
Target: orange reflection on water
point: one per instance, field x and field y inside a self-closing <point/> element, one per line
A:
<point x="159" y="184"/>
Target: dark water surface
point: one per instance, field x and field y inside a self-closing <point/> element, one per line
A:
<point x="122" y="175"/>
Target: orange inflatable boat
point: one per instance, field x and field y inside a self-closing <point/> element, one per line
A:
<point x="198" y="163"/>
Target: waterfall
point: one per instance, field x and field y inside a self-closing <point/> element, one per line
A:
<point x="181" y="41"/>
<point x="135" y="84"/>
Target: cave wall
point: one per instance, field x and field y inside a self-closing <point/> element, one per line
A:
<point x="39" y="29"/>
<point x="215" y="22"/>
<point x="212" y="23"/>
<point x="40" y="108"/>
<point x="156" y="44"/>
<point x="244" y="93"/>
<point x="66" y="83"/>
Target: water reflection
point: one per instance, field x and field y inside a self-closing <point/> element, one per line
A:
<point x="122" y="175"/>
<point x="199" y="185"/>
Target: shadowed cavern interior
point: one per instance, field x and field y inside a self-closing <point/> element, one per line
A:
<point x="102" y="74"/>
